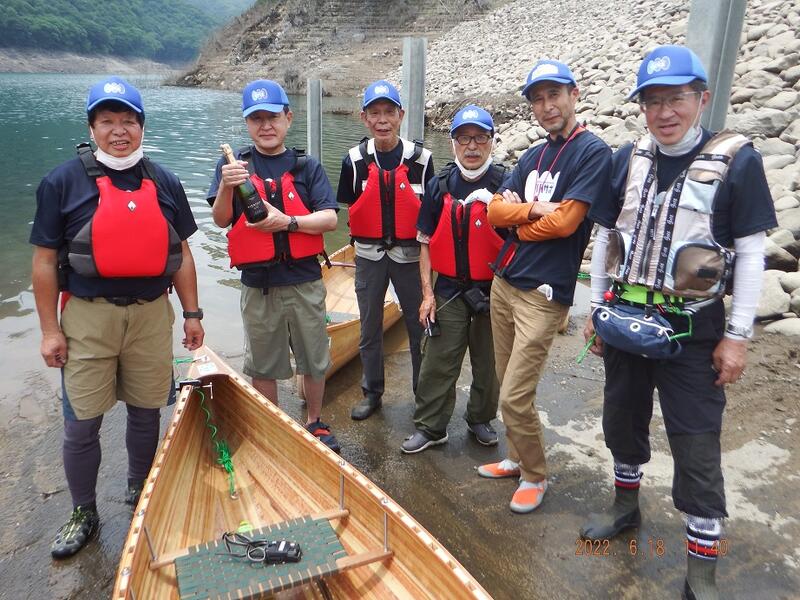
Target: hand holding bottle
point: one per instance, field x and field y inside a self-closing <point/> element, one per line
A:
<point x="235" y="174"/>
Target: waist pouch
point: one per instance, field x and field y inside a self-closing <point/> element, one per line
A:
<point x="631" y="329"/>
<point x="476" y="300"/>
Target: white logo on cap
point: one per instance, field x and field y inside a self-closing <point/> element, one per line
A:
<point x="381" y="89"/>
<point x="114" y="88"/>
<point x="470" y="114"/>
<point x="545" y="69"/>
<point x="259" y="94"/>
<point x="658" y="64"/>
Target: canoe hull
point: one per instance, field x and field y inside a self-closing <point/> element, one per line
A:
<point x="281" y="472"/>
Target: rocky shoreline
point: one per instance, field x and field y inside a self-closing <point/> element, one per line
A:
<point x="765" y="98"/>
<point x="30" y="61"/>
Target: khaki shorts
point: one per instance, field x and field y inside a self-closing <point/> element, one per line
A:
<point x="288" y="317"/>
<point x="116" y="353"/>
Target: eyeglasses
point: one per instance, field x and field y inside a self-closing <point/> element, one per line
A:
<point x="672" y="102"/>
<point x="480" y="139"/>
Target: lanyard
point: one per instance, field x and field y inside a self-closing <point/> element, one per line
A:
<point x="578" y="129"/>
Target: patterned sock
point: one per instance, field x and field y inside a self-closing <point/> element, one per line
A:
<point x="627" y="477"/>
<point x="702" y="537"/>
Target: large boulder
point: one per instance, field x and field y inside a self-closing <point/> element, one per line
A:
<point x="774" y="147"/>
<point x="790" y="219"/>
<point x="774" y="301"/>
<point x="786" y="203"/>
<point x="789" y="327"/>
<point x="777" y="258"/>
<point x="764" y="122"/>
<point x="790" y="281"/>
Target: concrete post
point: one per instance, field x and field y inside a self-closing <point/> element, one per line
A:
<point x="714" y="32"/>
<point x="413" y="93"/>
<point x="314" y="117"/>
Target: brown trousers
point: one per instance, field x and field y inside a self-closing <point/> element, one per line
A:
<point x="524" y="325"/>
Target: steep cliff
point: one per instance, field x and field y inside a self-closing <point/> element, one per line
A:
<point x="345" y="43"/>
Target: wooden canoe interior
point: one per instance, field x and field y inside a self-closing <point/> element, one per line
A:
<point x="341" y="304"/>
<point x="281" y="473"/>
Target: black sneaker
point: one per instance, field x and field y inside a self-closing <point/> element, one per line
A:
<point x="419" y="441"/>
<point x="73" y="535"/>
<point x="484" y="433"/>
<point x="133" y="492"/>
<point x="323" y="433"/>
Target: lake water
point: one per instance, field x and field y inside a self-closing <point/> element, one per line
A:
<point x="42" y="118"/>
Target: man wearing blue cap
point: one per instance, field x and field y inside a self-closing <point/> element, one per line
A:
<point x="458" y="243"/>
<point x="110" y="235"/>
<point x="683" y="202"/>
<point x="283" y="297"/>
<point x="382" y="182"/>
<point x="546" y="197"/>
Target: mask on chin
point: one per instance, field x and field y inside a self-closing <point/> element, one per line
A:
<point x="122" y="162"/>
<point x="472" y="174"/>
<point x="689" y="140"/>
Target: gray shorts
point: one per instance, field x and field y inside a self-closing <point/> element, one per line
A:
<point x="287" y="318"/>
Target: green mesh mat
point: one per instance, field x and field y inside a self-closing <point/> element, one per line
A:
<point x="206" y="572"/>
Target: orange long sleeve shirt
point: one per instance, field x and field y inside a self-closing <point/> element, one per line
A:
<point x="561" y="223"/>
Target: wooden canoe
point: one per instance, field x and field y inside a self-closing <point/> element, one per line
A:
<point x="344" y="329"/>
<point x="281" y="472"/>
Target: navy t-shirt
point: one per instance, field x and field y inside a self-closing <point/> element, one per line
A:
<point x="431" y="211"/>
<point x="315" y="190"/>
<point x="553" y="171"/>
<point x="345" y="192"/>
<point x="66" y="200"/>
<point x="743" y="205"/>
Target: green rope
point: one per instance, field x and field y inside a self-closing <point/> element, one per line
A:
<point x="585" y="350"/>
<point x="677" y="311"/>
<point x="224" y="457"/>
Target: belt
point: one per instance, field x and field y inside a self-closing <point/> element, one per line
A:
<point x="121" y="300"/>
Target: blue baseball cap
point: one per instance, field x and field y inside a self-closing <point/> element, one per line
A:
<point x="548" y="70"/>
<point x="381" y="90"/>
<point x="472" y="115"/>
<point x="263" y="94"/>
<point x="117" y="89"/>
<point x="669" y="65"/>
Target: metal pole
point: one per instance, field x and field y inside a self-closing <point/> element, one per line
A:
<point x="714" y="32"/>
<point x="413" y="92"/>
<point x="314" y="117"/>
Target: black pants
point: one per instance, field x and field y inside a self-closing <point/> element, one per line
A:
<point x="690" y="402"/>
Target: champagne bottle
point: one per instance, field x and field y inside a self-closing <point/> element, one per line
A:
<point x="252" y="206"/>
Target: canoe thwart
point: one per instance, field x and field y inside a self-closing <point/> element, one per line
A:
<point x="209" y="570"/>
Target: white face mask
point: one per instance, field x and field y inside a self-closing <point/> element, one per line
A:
<point x="689" y="140"/>
<point x="472" y="174"/>
<point x="120" y="163"/>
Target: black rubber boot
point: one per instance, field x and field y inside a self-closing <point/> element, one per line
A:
<point x="366" y="407"/>
<point x="701" y="581"/>
<point x="623" y="514"/>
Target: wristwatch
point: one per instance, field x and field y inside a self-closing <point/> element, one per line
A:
<point x="293" y="225"/>
<point x="193" y="314"/>
<point x="741" y="332"/>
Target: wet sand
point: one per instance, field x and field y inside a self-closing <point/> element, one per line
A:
<point x="513" y="556"/>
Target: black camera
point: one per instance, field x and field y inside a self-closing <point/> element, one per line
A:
<point x="477" y="301"/>
<point x="432" y="328"/>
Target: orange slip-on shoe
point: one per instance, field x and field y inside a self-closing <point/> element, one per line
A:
<point x="499" y="470"/>
<point x="528" y="499"/>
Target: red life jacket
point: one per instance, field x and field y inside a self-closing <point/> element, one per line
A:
<point x="386" y="211"/>
<point x="128" y="235"/>
<point x="249" y="247"/>
<point x="464" y="243"/>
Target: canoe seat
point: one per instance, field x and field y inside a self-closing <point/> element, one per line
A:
<point x="208" y="572"/>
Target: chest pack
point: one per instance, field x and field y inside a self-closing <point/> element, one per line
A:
<point x="664" y="241"/>
<point x="128" y="235"/>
